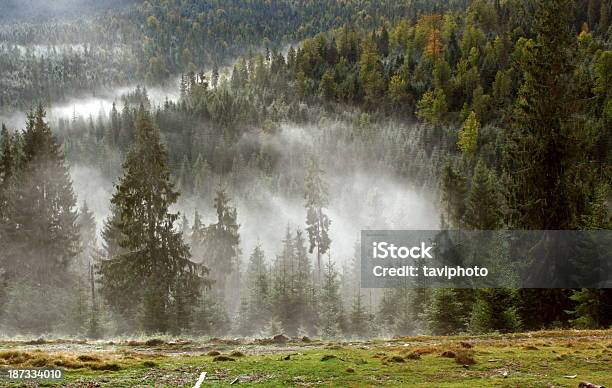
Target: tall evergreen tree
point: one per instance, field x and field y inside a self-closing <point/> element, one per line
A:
<point x="258" y="279"/>
<point x="7" y="168"/>
<point x="483" y="210"/>
<point x="331" y="322"/>
<point x="222" y="242"/>
<point x="285" y="310"/>
<point x="42" y="207"/>
<point x="40" y="232"/>
<point x="317" y="222"/>
<point x="547" y="149"/>
<point x="152" y="270"/>
<point x="544" y="141"/>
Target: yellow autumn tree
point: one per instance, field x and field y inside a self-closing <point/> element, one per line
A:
<point x="468" y="136"/>
<point x="433" y="49"/>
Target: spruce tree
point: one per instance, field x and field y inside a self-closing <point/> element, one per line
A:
<point x="303" y="288"/>
<point x="331" y="322"/>
<point x="495" y="309"/>
<point x="543" y="143"/>
<point x="546" y="149"/>
<point x="284" y="309"/>
<point x="483" y="210"/>
<point x="593" y="308"/>
<point x="445" y="313"/>
<point x="454" y="193"/>
<point x="42" y="208"/>
<point x="317" y="222"/>
<point x="360" y="320"/>
<point x="40" y="231"/>
<point x="258" y="280"/>
<point x="221" y="242"/>
<point x="86" y="224"/>
<point x="7" y="159"/>
<point x="7" y="169"/>
<point x="152" y="267"/>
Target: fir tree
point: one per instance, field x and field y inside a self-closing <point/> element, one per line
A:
<point x="222" y="242"/>
<point x="259" y="290"/>
<point x="454" y="192"/>
<point x="483" y="210"/>
<point x="331" y="312"/>
<point x="303" y="288"/>
<point x="153" y="259"/>
<point x="317" y="221"/>
<point x="39" y="227"/>
<point x="42" y="208"/>
<point x="593" y="308"/>
<point x="7" y="169"/>
<point x="468" y="136"/>
<point x="495" y="309"/>
<point x="360" y="320"/>
<point x="445" y="312"/>
<point x="285" y="310"/>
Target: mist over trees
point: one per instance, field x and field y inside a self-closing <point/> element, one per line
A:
<point x="227" y="202"/>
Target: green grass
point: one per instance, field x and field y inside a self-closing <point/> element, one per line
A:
<point x="540" y="359"/>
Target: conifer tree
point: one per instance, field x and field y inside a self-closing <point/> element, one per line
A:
<point x="370" y="72"/>
<point x="454" y="192"/>
<point x="593" y="308"/>
<point x="303" y="289"/>
<point x="317" y="222"/>
<point x="196" y="239"/>
<point x="7" y="163"/>
<point x="143" y="279"/>
<point x="445" y="313"/>
<point x="40" y="231"/>
<point x="259" y="290"/>
<point x="7" y="168"/>
<point x="468" y="136"/>
<point x="541" y="154"/>
<point x="222" y="242"/>
<point x="546" y="148"/>
<point x="42" y="208"/>
<point x="86" y="224"/>
<point x="495" y="309"/>
<point x="331" y="322"/>
<point x="483" y="210"/>
<point x="360" y="320"/>
<point x="285" y="310"/>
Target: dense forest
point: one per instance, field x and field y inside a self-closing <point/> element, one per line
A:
<point x="235" y="208"/>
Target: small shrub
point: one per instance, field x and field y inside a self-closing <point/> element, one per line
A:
<point x="15" y="356"/>
<point x="213" y="353"/>
<point x="38" y="341"/>
<point x="237" y="353"/>
<point x="448" y="354"/>
<point x="149" y="364"/>
<point x="223" y="358"/>
<point x="87" y="358"/>
<point x="111" y="366"/>
<point x="465" y="357"/>
<point x="328" y="357"/>
<point x="40" y="362"/>
<point x="155" y="342"/>
<point x="413" y="356"/>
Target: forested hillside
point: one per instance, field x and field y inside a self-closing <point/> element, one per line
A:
<point x="235" y="208"/>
